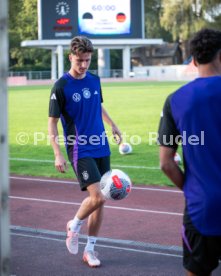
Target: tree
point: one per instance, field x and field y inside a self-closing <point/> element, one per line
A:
<point x="23" y="26"/>
<point x="185" y="17"/>
<point x="182" y="18"/>
<point x="154" y="29"/>
<point x="14" y="40"/>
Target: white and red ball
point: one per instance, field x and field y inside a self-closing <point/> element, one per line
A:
<point x="115" y="185"/>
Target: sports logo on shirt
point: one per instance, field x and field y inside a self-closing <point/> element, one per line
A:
<point x="86" y="93"/>
<point x="85" y="175"/>
<point x="53" y="97"/>
<point x="76" y="97"/>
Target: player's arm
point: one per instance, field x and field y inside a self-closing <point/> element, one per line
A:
<point x="167" y="135"/>
<point x="60" y="162"/>
<point x="169" y="166"/>
<point x="116" y="132"/>
<point x="56" y="103"/>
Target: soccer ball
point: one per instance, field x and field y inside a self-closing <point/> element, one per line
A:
<point x="177" y="159"/>
<point x="115" y="185"/>
<point x="125" y="148"/>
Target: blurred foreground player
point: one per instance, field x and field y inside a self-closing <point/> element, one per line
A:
<point x="194" y="112"/>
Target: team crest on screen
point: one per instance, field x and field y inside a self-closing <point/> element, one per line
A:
<point x="85" y="175"/>
<point x="62" y="8"/>
<point x="86" y="93"/>
<point x="76" y="97"/>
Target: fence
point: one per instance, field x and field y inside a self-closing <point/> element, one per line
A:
<point x="45" y="75"/>
<point x="31" y="75"/>
<point x="167" y="73"/>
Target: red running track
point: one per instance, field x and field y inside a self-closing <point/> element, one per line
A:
<point x="151" y="214"/>
<point x="140" y="235"/>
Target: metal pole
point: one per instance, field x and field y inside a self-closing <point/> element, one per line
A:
<point x="126" y="61"/>
<point x="104" y="63"/>
<point x="53" y="64"/>
<point x="60" y="51"/>
<point x="4" y="168"/>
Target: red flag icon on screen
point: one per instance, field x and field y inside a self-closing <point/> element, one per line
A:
<point x="121" y="17"/>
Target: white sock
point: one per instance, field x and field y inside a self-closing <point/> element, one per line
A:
<point x="76" y="224"/>
<point x="91" y="240"/>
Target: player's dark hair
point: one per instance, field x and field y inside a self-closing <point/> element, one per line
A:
<point x="205" y="45"/>
<point x="81" y="44"/>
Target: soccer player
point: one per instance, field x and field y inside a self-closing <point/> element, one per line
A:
<point x="193" y="113"/>
<point x="76" y="99"/>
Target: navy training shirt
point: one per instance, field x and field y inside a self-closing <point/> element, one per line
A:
<point x="194" y="112"/>
<point x="78" y="103"/>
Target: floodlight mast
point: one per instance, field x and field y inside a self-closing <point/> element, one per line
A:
<point x="4" y="168"/>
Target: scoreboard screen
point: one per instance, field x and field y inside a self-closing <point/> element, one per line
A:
<point x="93" y="18"/>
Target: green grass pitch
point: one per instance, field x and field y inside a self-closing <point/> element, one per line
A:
<point x="134" y="106"/>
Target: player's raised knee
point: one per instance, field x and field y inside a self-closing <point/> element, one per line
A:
<point x="98" y="200"/>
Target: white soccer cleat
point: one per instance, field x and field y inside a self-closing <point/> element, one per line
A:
<point x="90" y="257"/>
<point x="72" y="240"/>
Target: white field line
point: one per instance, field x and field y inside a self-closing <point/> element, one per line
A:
<point x="106" y="206"/>
<point x="76" y="183"/>
<point x="113" y="165"/>
<point x="62" y="235"/>
<point x="100" y="245"/>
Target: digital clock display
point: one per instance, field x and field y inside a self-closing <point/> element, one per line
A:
<point x="104" y="17"/>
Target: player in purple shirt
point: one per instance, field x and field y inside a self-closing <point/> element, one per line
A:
<point x="193" y="112"/>
<point x="76" y="99"/>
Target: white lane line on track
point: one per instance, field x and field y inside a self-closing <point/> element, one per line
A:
<point x="113" y="165"/>
<point x="104" y="246"/>
<point x="129" y="243"/>
<point x="106" y="206"/>
<point x="76" y="183"/>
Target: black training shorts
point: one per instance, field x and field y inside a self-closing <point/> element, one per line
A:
<point x="201" y="254"/>
<point x="89" y="170"/>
